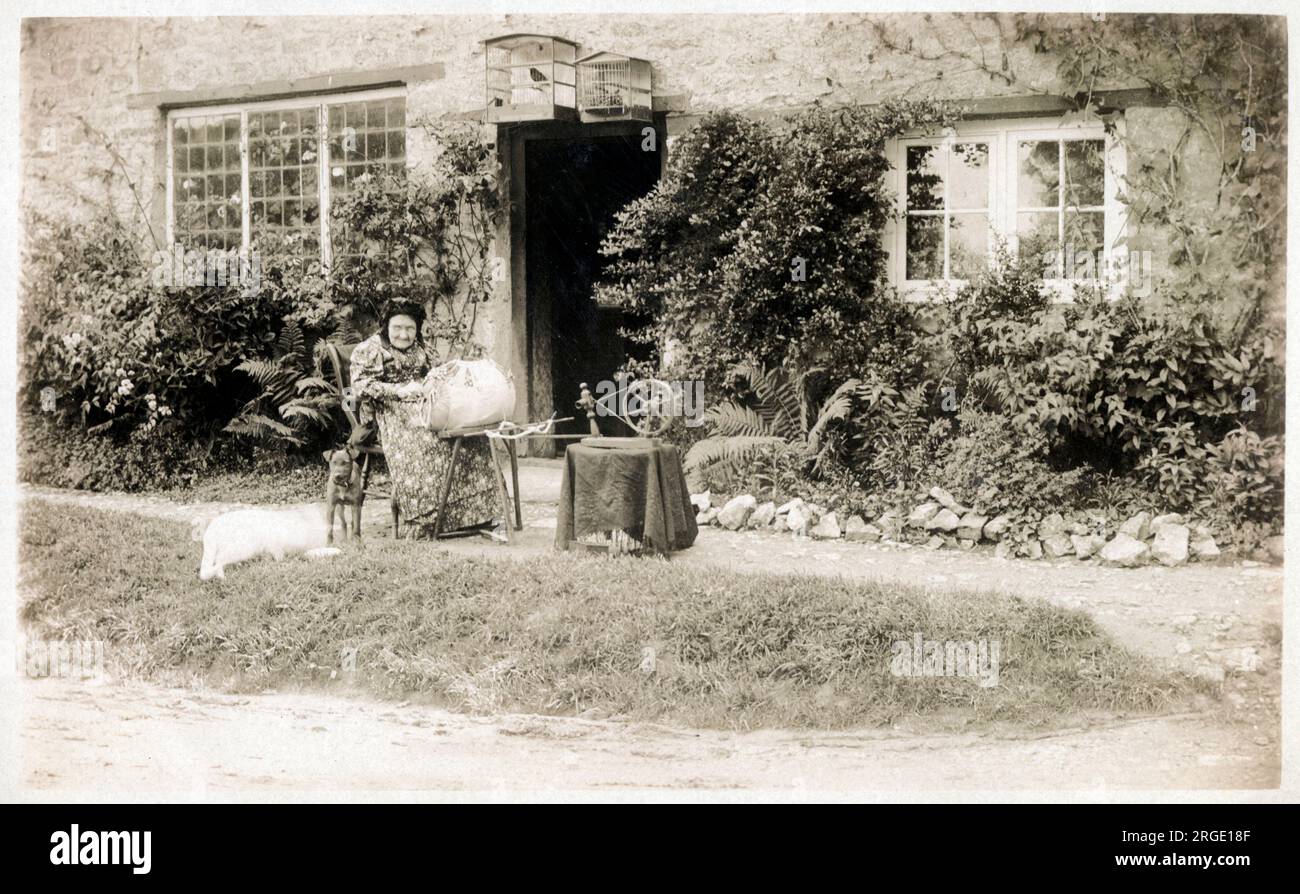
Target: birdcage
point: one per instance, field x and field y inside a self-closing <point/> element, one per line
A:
<point x="531" y="77"/>
<point x="613" y="88"/>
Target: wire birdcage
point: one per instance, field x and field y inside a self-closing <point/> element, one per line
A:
<point x="612" y="87"/>
<point x="530" y="77"/>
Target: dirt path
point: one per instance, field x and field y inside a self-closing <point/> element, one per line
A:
<point x="138" y="739"/>
<point x="1220" y="621"/>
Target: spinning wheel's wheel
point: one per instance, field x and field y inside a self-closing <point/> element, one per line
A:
<point x="648" y="407"/>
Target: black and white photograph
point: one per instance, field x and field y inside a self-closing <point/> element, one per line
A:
<point x="745" y="403"/>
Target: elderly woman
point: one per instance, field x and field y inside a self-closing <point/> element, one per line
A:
<point x="388" y="370"/>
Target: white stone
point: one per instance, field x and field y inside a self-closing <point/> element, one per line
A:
<point x="943" y="498"/>
<point x="762" y="516"/>
<point x="1170" y="544"/>
<point x="922" y="514"/>
<point x="786" y="507"/>
<point x="971" y="526"/>
<point x="1086" y="545"/>
<point x="944" y="520"/>
<point x="828" y="528"/>
<point x="996" y="528"/>
<point x="1138" y="527"/>
<point x="701" y="501"/>
<point x="890" y="525"/>
<point x="1058" y="545"/>
<point x="1051" y="526"/>
<point x="1205" y="548"/>
<point x="798" y="519"/>
<point x="1123" y="550"/>
<point x="858" y="529"/>
<point x="737" y="511"/>
<point x="1169" y="518"/>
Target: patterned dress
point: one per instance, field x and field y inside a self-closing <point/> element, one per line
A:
<point x="418" y="460"/>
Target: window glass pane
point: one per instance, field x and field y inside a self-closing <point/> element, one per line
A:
<point x="1038" y="178"/>
<point x="1084" y="243"/>
<point x="1085" y="173"/>
<point x="282" y="153"/>
<point x="367" y="140"/>
<point x="925" y="247"/>
<point x="968" y="176"/>
<point x="968" y="245"/>
<point x="205" y="165"/>
<point x="1039" y="241"/>
<point x="924" y="178"/>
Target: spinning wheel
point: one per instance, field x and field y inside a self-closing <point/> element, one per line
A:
<point x="646" y="406"/>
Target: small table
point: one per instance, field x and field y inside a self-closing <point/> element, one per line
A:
<point x="638" y="490"/>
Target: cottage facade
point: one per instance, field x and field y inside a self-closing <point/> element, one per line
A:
<point x="165" y="116"/>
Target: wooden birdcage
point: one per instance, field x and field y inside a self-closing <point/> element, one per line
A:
<point x="531" y="77"/>
<point x="612" y="87"/>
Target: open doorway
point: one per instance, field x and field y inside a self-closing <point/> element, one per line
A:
<point x="573" y="189"/>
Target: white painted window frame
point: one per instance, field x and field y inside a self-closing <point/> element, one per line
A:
<point x="321" y="102"/>
<point x="1002" y="136"/>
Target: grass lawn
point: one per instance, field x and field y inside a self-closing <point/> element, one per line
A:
<point x="297" y="485"/>
<point x="564" y="633"/>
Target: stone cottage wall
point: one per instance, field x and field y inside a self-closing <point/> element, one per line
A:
<point x="87" y="143"/>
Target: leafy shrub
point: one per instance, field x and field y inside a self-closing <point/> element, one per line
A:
<point x="1001" y="467"/>
<point x="1112" y="374"/>
<point x="426" y="236"/>
<point x="1234" y="483"/>
<point x="295" y="402"/>
<point x="666" y="248"/>
<point x="117" y="350"/>
<point x="769" y="245"/>
<point x="777" y="409"/>
<point x="53" y="454"/>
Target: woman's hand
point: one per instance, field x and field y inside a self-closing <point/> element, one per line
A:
<point x="410" y="391"/>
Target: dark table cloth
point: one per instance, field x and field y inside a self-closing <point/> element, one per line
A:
<point x="641" y="491"/>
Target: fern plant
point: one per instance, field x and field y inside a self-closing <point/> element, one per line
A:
<point x="779" y="411"/>
<point x="295" y="399"/>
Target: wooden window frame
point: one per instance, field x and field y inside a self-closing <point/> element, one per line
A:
<point x="1003" y="136"/>
<point x="321" y="102"/>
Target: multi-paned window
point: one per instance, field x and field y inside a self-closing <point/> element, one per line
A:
<point x="1049" y="194"/>
<point x="237" y="175"/>
<point x="1061" y="203"/>
<point x="948" y="190"/>
<point x="207" y="181"/>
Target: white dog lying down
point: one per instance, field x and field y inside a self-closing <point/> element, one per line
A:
<point x="246" y="533"/>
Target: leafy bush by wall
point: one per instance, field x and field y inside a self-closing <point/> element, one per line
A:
<point x="117" y="350"/>
<point x="766" y="246"/>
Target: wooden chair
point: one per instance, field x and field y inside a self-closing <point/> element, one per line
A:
<point x="338" y="358"/>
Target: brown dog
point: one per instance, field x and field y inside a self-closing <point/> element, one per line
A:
<point x="344" y="489"/>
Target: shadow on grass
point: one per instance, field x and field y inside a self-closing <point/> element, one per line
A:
<point x="566" y="633"/>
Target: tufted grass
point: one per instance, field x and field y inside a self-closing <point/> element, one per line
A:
<point x="564" y="634"/>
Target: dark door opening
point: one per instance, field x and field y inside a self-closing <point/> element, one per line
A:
<point x="573" y="188"/>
